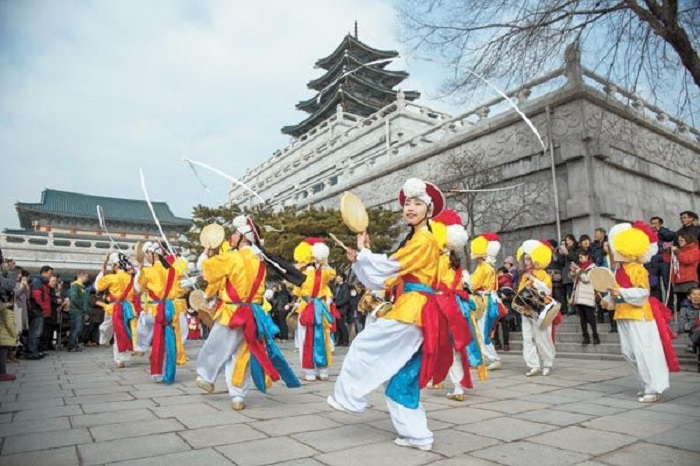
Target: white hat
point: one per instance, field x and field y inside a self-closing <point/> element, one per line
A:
<point x="245" y="226"/>
<point x="320" y="251"/>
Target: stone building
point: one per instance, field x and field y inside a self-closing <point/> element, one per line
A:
<point x="605" y="156"/>
<point x="63" y="230"/>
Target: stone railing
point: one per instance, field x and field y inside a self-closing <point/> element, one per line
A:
<point x="49" y="243"/>
<point x="351" y="126"/>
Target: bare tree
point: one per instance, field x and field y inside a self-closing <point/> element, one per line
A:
<point x="647" y="46"/>
<point x="498" y="211"/>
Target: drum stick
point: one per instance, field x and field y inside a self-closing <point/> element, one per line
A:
<point x="338" y="242"/>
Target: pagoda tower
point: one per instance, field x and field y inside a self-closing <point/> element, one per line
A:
<point x="361" y="92"/>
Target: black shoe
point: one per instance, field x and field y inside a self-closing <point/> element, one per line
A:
<point x="586" y="341"/>
<point x="596" y="340"/>
<point x="34" y="357"/>
<point x="613" y="330"/>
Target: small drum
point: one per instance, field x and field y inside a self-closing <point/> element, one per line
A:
<point x="530" y="303"/>
<point x="292" y="321"/>
<point x="370" y="304"/>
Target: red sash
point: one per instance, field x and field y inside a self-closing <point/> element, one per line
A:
<point x="158" y="348"/>
<point x="121" y="335"/>
<point x="244" y="318"/>
<point x="307" y="318"/>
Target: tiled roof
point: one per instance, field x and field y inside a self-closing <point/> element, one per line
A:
<point x="71" y="204"/>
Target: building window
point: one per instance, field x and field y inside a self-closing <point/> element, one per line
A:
<point x="333" y="180"/>
<point x="317" y="188"/>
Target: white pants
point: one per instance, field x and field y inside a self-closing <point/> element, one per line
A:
<point x="184" y="328"/>
<point x="310" y="374"/>
<point x="488" y="352"/>
<point x="376" y="354"/>
<point x="219" y="353"/>
<point x="456" y="374"/>
<point x="106" y="333"/>
<point x="537" y="344"/>
<point x="144" y="331"/>
<point x="641" y="346"/>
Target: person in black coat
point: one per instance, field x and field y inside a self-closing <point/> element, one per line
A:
<point x="281" y="305"/>
<point x="341" y="298"/>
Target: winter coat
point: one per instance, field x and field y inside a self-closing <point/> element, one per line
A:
<point x="688" y="318"/>
<point x="40" y="299"/>
<point x="8" y="330"/>
<point x="78" y="299"/>
<point x="21" y="307"/>
<point x="688" y="259"/>
<point x="584" y="294"/>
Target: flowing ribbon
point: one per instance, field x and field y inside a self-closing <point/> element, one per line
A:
<point x="122" y="313"/>
<point x="312" y="316"/>
<point x="164" y="350"/>
<point x="403" y="387"/>
<point x="267" y="329"/>
<point x="468" y="307"/>
<point x="491" y="318"/>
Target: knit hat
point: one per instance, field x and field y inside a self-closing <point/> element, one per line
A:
<point x="245" y="226"/>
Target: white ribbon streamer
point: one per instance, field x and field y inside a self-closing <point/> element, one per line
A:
<point x="103" y="225"/>
<point x="192" y="163"/>
<point x="153" y="212"/>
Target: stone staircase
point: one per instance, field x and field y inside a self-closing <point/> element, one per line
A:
<point x="568" y="344"/>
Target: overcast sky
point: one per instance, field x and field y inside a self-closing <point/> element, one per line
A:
<point x="91" y="91"/>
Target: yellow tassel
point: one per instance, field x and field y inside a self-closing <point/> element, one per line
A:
<point x="481" y="373"/>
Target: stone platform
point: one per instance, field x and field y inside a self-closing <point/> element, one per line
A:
<point x="77" y="409"/>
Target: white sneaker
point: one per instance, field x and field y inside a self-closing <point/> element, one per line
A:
<point x="532" y="372"/>
<point x="546" y="371"/>
<point x="650" y="398"/>
<point x="494" y="366"/>
<point x="402" y="442"/>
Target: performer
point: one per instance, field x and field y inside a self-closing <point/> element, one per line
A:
<point x="241" y="341"/>
<point x="410" y="344"/>
<point x="315" y="318"/>
<point x="642" y="322"/>
<point x="484" y="284"/>
<point x="160" y="322"/>
<point x="538" y="343"/>
<point x="452" y="237"/>
<point x="119" y="284"/>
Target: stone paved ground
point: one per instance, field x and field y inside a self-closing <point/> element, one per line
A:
<point x="71" y="409"/>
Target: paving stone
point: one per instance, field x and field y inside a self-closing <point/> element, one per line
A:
<point x="42" y="395"/>
<point x="102" y="390"/>
<point x="453" y="442"/>
<point x="161" y="392"/>
<point x="221" y="435"/>
<point x="506" y="429"/>
<point x="219" y="418"/>
<point x="369" y="415"/>
<point x="669" y="407"/>
<point x="196" y="409"/>
<point x="208" y="457"/>
<point x="6" y="417"/>
<point x="682" y="437"/>
<point x="267" y="451"/>
<point x="91" y="399"/>
<point x="29" y="427"/>
<point x="271" y="411"/>
<point x="552" y="416"/>
<point x="464" y="460"/>
<point x="117" y="406"/>
<point x="529" y="454"/>
<point x="387" y="424"/>
<point x="134" y="429"/>
<point x="533" y="388"/>
<point x="48" y="402"/>
<point x="114" y="417"/>
<point x="512" y="406"/>
<point x="625" y="425"/>
<point x="66" y="456"/>
<point x="590" y="441"/>
<point x="465" y="415"/>
<point x="131" y="448"/>
<point x="644" y="454"/>
<point x="583" y="407"/>
<point x="341" y="438"/>
<point x="181" y="399"/>
<point x="294" y="425"/>
<point x="378" y="454"/>
<point x="632" y="403"/>
<point x="45" y="413"/>
<point x="44" y="440"/>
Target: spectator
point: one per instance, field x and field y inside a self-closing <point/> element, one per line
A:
<point x="686" y="277"/>
<point x="509" y="264"/>
<point x="597" y="253"/>
<point x="688" y="220"/>
<point x="341" y="298"/>
<point x="584" y="243"/>
<point x="8" y="339"/>
<point x="40" y="306"/>
<point x="689" y="319"/>
<point x="584" y="296"/>
<point x="356" y="293"/>
<point x="22" y="302"/>
<point x="95" y="317"/>
<point x="567" y="254"/>
<point x="51" y="320"/>
<point x="555" y="271"/>
<point x="281" y="305"/>
<point x="79" y="308"/>
<point x="506" y="294"/>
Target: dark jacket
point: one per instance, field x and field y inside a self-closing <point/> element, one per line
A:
<point x="280" y="299"/>
<point x="691" y="230"/>
<point x="597" y="253"/>
<point x="565" y="263"/>
<point x="342" y="298"/>
<point x="97" y="312"/>
<point x="40" y="303"/>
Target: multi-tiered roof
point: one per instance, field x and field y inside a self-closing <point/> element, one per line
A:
<point x="350" y="81"/>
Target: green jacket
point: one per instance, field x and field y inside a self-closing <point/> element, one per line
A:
<point x="78" y="298"/>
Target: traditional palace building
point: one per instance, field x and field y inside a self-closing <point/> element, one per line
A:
<point x="610" y="156"/>
<point x="63" y="229"/>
